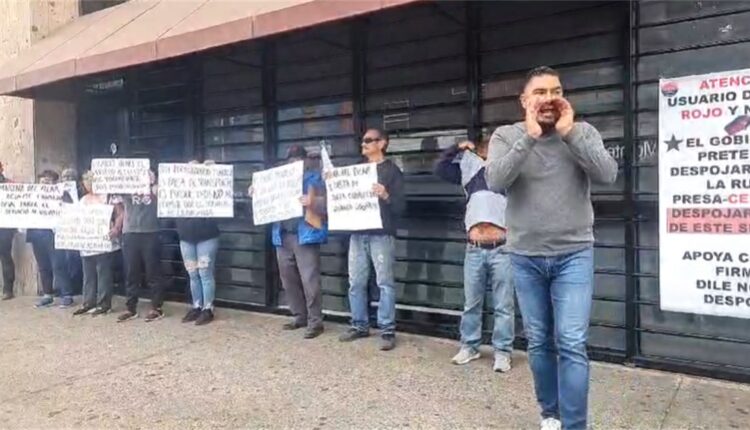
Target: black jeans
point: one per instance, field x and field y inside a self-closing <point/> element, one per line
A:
<point x="141" y="250"/>
<point x="6" y="258"/>
<point x="98" y="282"/>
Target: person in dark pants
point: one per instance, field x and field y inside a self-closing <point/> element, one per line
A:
<point x="297" y="243"/>
<point x="6" y="252"/>
<point x="98" y="280"/>
<point x="140" y="250"/>
<point x="72" y="258"/>
<point x="199" y="244"/>
<point x="52" y="263"/>
<point x="376" y="248"/>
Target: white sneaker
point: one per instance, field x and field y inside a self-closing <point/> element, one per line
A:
<point x="551" y="424"/>
<point x="465" y="355"/>
<point x="502" y="362"/>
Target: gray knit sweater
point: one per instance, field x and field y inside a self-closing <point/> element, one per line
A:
<point x="548" y="183"/>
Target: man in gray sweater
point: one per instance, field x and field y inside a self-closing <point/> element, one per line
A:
<point x="547" y="163"/>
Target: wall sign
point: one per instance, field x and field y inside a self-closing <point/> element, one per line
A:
<point x="704" y="194"/>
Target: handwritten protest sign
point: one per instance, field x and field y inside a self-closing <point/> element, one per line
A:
<point x="120" y="175"/>
<point x="196" y="191"/>
<point x="351" y="203"/>
<point x="85" y="228"/>
<point x="29" y="205"/>
<point x="276" y="193"/>
<point x="71" y="188"/>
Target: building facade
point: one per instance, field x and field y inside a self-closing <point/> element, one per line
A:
<point x="432" y="74"/>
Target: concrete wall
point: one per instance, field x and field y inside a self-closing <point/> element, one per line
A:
<point x="33" y="135"/>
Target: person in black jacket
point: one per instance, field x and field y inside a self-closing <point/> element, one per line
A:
<point x="376" y="248"/>
<point x="199" y="244"/>
<point x="6" y="253"/>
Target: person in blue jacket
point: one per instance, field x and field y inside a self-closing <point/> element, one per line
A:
<point x="297" y="243"/>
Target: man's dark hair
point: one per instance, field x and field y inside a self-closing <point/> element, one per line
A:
<point x="296" y="151"/>
<point x="51" y="174"/>
<point x="538" y="71"/>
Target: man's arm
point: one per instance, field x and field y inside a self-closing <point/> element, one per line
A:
<point x="587" y="147"/>
<point x="446" y="169"/>
<point x="395" y="201"/>
<point x="505" y="158"/>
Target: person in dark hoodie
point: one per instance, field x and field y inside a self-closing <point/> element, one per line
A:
<point x="52" y="263"/>
<point x="486" y="264"/>
<point x="6" y="252"/>
<point x="376" y="247"/>
<point x="199" y="244"/>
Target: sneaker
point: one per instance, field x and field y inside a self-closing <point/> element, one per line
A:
<point x="206" y="316"/>
<point x="66" y="302"/>
<point x="353" y="334"/>
<point x="154" y="315"/>
<point x="127" y="316"/>
<point x="100" y="311"/>
<point x="82" y="310"/>
<point x="465" y="355"/>
<point x="551" y="424"/>
<point x="502" y="362"/>
<point x="313" y="332"/>
<point x="387" y="342"/>
<point x="44" y="302"/>
<point x="192" y="315"/>
<point x="293" y="325"/>
<point x="7" y="296"/>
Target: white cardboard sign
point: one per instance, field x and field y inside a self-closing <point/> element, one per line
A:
<point x="352" y="205"/>
<point x="30" y="205"/>
<point x="121" y="175"/>
<point x="85" y="228"/>
<point x="196" y="191"/>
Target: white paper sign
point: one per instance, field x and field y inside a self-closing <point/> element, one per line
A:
<point x="276" y="193"/>
<point x="704" y="194"/>
<point x="196" y="191"/>
<point x="352" y="205"/>
<point x="120" y="175"/>
<point x="30" y="205"/>
<point x="71" y="188"/>
<point x="85" y="228"/>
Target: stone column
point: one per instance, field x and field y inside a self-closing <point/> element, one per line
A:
<point x="34" y="135"/>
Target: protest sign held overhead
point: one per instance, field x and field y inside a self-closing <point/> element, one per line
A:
<point x="30" y="205"/>
<point x="352" y="205"/>
<point x="196" y="191"/>
<point x="704" y="194"/>
<point x="276" y="193"/>
<point x="121" y="175"/>
<point x="84" y="228"/>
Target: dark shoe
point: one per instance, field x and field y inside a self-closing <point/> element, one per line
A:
<point x="387" y="342"/>
<point x="206" y="316"/>
<point x="293" y="325"/>
<point x="353" y="334"/>
<point x="100" y="311"/>
<point x="313" y="332"/>
<point x="82" y="310"/>
<point x="7" y="296"/>
<point x="127" y="316"/>
<point x="44" y="302"/>
<point x="66" y="302"/>
<point x="154" y="315"/>
<point x="192" y="315"/>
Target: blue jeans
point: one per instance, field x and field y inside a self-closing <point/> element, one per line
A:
<point x="200" y="261"/>
<point x="554" y="294"/>
<point x="487" y="268"/>
<point x="378" y="250"/>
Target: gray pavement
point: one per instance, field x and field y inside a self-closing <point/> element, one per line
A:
<point x="243" y="371"/>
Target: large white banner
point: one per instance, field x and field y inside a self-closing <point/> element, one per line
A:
<point x="84" y="228"/>
<point x="196" y="191"/>
<point x="121" y="176"/>
<point x="704" y="202"/>
<point x="30" y="205"/>
<point x="352" y="205"/>
<point x="276" y="193"/>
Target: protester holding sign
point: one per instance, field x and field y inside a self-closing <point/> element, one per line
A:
<point x="140" y="249"/>
<point x="376" y="247"/>
<point x="98" y="279"/>
<point x="547" y="164"/>
<point x="199" y="244"/>
<point x="297" y="243"/>
<point x="72" y="258"/>
<point x="6" y="252"/>
<point x="53" y="264"/>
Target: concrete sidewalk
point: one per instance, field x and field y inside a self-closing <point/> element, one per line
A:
<point x="243" y="371"/>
